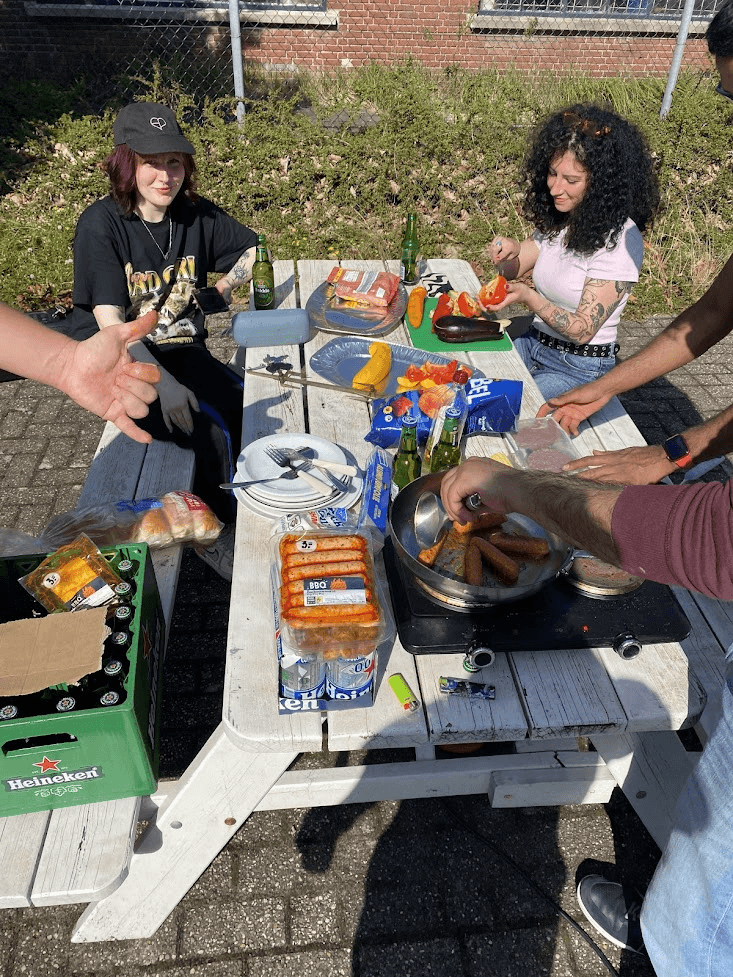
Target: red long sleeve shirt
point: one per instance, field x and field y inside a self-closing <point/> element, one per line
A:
<point x="678" y="534"/>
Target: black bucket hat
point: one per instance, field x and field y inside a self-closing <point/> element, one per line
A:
<point x="149" y="128"/>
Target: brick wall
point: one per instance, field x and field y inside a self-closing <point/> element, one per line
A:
<point x="368" y="30"/>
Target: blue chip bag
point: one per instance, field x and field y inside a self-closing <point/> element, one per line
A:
<point x="493" y="407"/>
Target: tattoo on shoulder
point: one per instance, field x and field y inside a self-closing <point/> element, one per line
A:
<point x="242" y="270"/>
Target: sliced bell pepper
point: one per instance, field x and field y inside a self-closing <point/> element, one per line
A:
<point x="467" y="306"/>
<point x="414" y="374"/>
<point x="444" y="307"/>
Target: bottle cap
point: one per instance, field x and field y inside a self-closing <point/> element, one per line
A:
<point x="409" y="420"/>
<point x="453" y="412"/>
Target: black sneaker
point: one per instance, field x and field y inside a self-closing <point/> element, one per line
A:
<point x="613" y="909"/>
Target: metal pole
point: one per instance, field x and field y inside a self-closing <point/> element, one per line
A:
<point x="236" y="41"/>
<point x="679" y="50"/>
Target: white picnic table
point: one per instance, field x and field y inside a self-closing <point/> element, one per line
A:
<point x="629" y="709"/>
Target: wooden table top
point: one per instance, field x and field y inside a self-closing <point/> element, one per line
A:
<point x="539" y="695"/>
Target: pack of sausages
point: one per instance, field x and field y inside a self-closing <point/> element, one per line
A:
<point x="328" y="599"/>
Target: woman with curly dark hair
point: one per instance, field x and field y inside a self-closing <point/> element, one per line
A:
<point x="591" y="191"/>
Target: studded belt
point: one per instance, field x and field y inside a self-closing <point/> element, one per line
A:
<point x="586" y="349"/>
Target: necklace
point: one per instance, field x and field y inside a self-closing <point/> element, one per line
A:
<point x="170" y="235"/>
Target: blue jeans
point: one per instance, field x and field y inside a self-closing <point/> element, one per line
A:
<point x="687" y="917"/>
<point x="555" y="372"/>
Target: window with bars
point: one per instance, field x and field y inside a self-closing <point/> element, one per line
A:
<point x="607" y="8"/>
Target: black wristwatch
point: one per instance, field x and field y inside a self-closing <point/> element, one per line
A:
<point x="677" y="451"/>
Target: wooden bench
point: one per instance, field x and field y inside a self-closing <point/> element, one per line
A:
<point x="80" y="854"/>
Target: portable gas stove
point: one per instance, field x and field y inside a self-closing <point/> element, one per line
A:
<point x="557" y="616"/>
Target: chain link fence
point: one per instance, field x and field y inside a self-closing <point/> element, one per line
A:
<point x="128" y="49"/>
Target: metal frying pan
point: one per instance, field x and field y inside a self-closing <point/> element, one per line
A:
<point x="450" y="589"/>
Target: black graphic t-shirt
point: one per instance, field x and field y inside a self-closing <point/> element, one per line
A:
<point x="120" y="261"/>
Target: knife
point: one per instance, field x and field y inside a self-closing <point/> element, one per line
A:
<point x="257" y="481"/>
<point x="328" y="466"/>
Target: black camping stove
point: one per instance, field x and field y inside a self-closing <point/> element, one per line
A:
<point x="557" y="616"/>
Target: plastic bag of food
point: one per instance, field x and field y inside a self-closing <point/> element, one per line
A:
<point x="74" y="577"/>
<point x="493" y="407"/>
<point x="327" y="602"/>
<point x="364" y="287"/>
<point x="377" y="491"/>
<point x="175" y="517"/>
<point x="15" y="543"/>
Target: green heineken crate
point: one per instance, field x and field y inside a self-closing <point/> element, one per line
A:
<point x="93" y="752"/>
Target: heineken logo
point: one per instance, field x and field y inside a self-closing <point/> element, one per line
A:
<point x="51" y="776"/>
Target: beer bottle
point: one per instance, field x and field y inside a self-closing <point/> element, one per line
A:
<point x="263" y="277"/>
<point x="112" y="667"/>
<point x="60" y="698"/>
<point x="406" y="464"/>
<point x="108" y="695"/>
<point x="447" y="452"/>
<point x="126" y="569"/>
<point x="410" y="247"/>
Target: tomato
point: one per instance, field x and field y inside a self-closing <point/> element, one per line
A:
<point x="414" y="374"/>
<point x="432" y="400"/>
<point x="467" y="306"/>
<point x="444" y="307"/>
<point x="494" y="292"/>
<point x="440" y="372"/>
<point x="401" y="406"/>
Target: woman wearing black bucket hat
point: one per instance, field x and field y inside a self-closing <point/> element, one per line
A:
<point x="149" y="245"/>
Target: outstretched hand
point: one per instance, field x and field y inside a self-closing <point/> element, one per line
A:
<point x="643" y="465"/>
<point x="572" y="408"/>
<point x="101" y="376"/>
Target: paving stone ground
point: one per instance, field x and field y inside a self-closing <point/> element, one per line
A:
<point x="381" y="890"/>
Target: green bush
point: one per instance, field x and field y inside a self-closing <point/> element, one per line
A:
<point x="329" y="168"/>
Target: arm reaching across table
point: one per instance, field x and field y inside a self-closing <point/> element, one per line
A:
<point x="678" y="535"/>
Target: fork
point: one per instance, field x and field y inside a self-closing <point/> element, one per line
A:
<point x="298" y="454"/>
<point x="281" y="459"/>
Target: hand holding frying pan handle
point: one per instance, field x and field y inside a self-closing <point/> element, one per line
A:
<point x="473" y="502"/>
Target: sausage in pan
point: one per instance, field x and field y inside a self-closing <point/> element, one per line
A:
<point x="473" y="567"/>
<point x="504" y="566"/>
<point x="528" y="547"/>
<point x="487" y="520"/>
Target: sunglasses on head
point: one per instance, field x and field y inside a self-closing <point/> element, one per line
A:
<point x="586" y="126"/>
<point x="721" y="91"/>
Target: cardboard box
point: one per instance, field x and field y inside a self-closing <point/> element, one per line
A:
<point x="52" y="759"/>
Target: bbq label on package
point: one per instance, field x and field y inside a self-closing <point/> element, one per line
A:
<point x="334" y="590"/>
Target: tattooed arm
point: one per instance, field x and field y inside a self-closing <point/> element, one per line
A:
<point x="599" y="300"/>
<point x="240" y="274"/>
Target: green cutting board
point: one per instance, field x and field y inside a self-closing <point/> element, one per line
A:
<point x="423" y="338"/>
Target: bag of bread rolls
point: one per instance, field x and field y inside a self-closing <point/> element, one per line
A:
<point x="173" y="518"/>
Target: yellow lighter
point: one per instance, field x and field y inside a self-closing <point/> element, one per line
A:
<point x="403" y="692"/>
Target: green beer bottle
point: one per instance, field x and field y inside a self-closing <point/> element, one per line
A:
<point x="263" y="277"/>
<point x="447" y="452"/>
<point x="410" y="247"/>
<point x="406" y="464"/>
